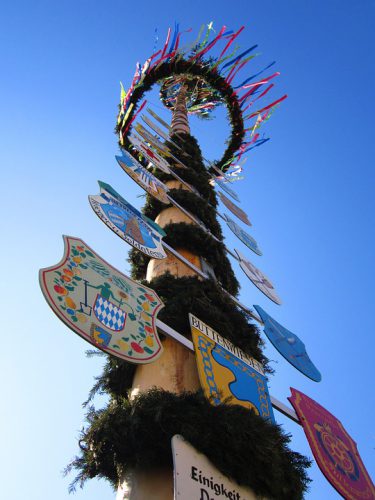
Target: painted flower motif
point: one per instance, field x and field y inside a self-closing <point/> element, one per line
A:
<point x="137" y="347"/>
<point x="70" y="303"/>
<point x="60" y="290"/>
<point x="149" y="341"/>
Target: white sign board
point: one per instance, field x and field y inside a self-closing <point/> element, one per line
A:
<point x="195" y="478"/>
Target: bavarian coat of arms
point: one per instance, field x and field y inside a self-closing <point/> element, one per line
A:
<point x="102" y="305"/>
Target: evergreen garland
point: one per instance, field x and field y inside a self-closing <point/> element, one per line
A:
<point x="136" y="434"/>
<point x="206" y="300"/>
<point x="214" y="80"/>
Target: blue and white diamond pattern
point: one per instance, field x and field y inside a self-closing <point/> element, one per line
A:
<point x="109" y="314"/>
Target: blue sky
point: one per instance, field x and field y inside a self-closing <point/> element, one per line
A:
<point x="308" y="192"/>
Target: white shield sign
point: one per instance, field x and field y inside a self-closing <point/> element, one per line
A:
<point x="102" y="305"/>
<point x="258" y="278"/>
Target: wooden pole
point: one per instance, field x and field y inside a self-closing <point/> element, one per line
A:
<point x="175" y="370"/>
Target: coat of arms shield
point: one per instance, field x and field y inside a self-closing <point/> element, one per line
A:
<point x="242" y="235"/>
<point x="143" y="177"/>
<point x="237" y="211"/>
<point x="289" y="345"/>
<point x="102" y="305"/>
<point x="124" y="220"/>
<point x="152" y="156"/>
<point x="334" y="450"/>
<point x="258" y="278"/>
<point x="226" y="373"/>
<point x="227" y="189"/>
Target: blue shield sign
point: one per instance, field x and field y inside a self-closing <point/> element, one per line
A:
<point x="124" y="220"/>
<point x="227" y="189"/>
<point x="143" y="177"/>
<point x="289" y="346"/>
<point x="243" y="235"/>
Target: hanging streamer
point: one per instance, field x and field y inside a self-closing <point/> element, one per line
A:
<point x="269" y="106"/>
<point x="232" y="38"/>
<point x="210" y="45"/>
<point x="255" y="76"/>
<point x="239" y="57"/>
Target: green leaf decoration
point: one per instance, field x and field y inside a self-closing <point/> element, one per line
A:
<point x="115" y="345"/>
<point x="125" y="338"/>
<point x="132" y="317"/>
<point x="89" y="253"/>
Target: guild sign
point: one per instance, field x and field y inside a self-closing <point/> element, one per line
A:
<point x="157" y="160"/>
<point x="160" y="132"/>
<point x="258" y="278"/>
<point x="196" y="478"/>
<point x="227" y="189"/>
<point x="237" y="211"/>
<point x="102" y="305"/>
<point x="160" y="120"/>
<point x="143" y="177"/>
<point x="242" y="235"/>
<point x="124" y="220"/>
<point x="334" y="450"/>
<point x="289" y="346"/>
<point x="225" y="371"/>
<point x="160" y="146"/>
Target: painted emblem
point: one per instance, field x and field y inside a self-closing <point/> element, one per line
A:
<point x="147" y="136"/>
<point x="158" y="130"/>
<point x="143" y="177"/>
<point x="227" y="189"/>
<point x="289" y="346"/>
<point x="242" y="235"/>
<point x="237" y="211"/>
<point x="159" y="119"/>
<point x="124" y="220"/>
<point x="102" y="305"/>
<point x="162" y="148"/>
<point x="258" y="278"/>
<point x="195" y="477"/>
<point x="225" y="371"/>
<point x="152" y="156"/>
<point x="334" y="450"/>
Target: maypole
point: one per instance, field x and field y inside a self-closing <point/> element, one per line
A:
<point x="189" y="413"/>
